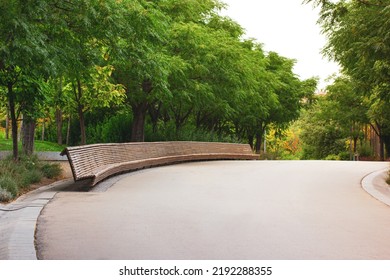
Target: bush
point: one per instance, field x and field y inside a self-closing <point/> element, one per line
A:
<point x="18" y="176"/>
<point x="332" y="157"/>
<point x="5" y="195"/>
<point x="9" y="185"/>
<point x="30" y="177"/>
<point x="51" y="171"/>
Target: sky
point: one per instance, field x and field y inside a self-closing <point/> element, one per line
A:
<point x="289" y="28"/>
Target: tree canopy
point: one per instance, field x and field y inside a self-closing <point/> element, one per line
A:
<point x="358" y="33"/>
<point x="170" y="65"/>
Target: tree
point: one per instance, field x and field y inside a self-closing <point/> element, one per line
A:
<point x="23" y="50"/>
<point x="358" y="32"/>
<point x="350" y="108"/>
<point x="321" y="134"/>
<point x="87" y="32"/>
<point x="143" y="68"/>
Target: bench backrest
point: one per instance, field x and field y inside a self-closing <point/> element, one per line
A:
<point x="84" y="159"/>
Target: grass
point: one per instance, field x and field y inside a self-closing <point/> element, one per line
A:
<point x="40" y="146"/>
<point x="16" y="178"/>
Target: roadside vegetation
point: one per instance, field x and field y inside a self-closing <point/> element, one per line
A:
<point x="17" y="178"/>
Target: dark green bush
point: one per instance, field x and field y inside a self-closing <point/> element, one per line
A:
<point x="51" y="170"/>
<point x="30" y="177"/>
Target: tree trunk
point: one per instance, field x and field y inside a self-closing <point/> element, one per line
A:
<point x="140" y="110"/>
<point x="138" y="126"/>
<point x="83" y="134"/>
<point x="14" y="124"/>
<point x="382" y="148"/>
<point x="43" y="130"/>
<point x="59" y="125"/>
<point x="80" y="110"/>
<point x="154" y="113"/>
<point x="28" y="132"/>
<point x="259" y="139"/>
<point x="7" y="121"/>
<point x="386" y="141"/>
<point x="251" y="138"/>
<point x="68" y="131"/>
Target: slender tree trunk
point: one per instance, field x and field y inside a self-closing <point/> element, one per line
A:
<point x="28" y="132"/>
<point x="7" y="121"/>
<point x="154" y="113"/>
<point x="59" y="122"/>
<point x="68" y="131"/>
<point x="138" y="126"/>
<point x="82" y="125"/>
<point x="14" y="124"/>
<point x="140" y="110"/>
<point x="58" y="114"/>
<point x="43" y="130"/>
<point x="20" y="127"/>
<point x="382" y="149"/>
<point x="259" y="140"/>
<point x="80" y="110"/>
<point x="251" y="138"/>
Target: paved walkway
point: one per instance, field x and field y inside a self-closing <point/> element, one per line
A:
<point x="208" y="210"/>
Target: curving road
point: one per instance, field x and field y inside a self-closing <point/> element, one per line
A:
<point x="222" y="210"/>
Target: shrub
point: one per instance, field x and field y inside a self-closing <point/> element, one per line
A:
<point x="5" y="195"/>
<point x="31" y="177"/>
<point x="51" y="171"/>
<point x="9" y="185"/>
<point x="332" y="157"/>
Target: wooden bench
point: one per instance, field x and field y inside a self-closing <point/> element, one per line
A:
<point x="100" y="161"/>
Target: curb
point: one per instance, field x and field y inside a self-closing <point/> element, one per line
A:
<point x="18" y="222"/>
<point x="375" y="185"/>
<point x="46" y="156"/>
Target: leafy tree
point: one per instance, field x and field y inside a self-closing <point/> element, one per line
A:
<point x="358" y="32"/>
<point x="350" y="108"/>
<point x="321" y="134"/>
<point x="144" y="67"/>
<point x="23" y="50"/>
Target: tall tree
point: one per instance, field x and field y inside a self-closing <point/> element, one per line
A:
<point x="143" y="67"/>
<point x="358" y="32"/>
<point x="23" y="50"/>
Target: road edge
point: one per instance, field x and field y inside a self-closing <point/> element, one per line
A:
<point x="376" y="186"/>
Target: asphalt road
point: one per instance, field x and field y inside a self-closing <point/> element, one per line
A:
<point x="222" y="210"/>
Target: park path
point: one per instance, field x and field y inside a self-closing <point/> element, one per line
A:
<point x="222" y="210"/>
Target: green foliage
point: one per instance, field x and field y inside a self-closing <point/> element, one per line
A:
<point x="358" y="35"/>
<point x="176" y="68"/>
<point x="51" y="170"/>
<point x="321" y="134"/>
<point x="8" y="184"/>
<point x="113" y="129"/>
<point x="189" y="132"/>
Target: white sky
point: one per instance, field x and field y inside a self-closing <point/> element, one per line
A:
<point x="287" y="27"/>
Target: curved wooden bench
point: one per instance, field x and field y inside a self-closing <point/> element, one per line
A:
<point x="100" y="161"/>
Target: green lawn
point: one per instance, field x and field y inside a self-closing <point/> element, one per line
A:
<point x="40" y="146"/>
